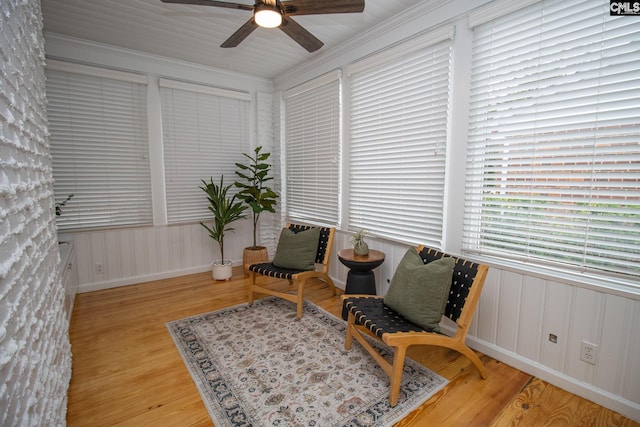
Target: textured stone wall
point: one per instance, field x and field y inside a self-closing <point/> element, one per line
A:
<point x="35" y="358"/>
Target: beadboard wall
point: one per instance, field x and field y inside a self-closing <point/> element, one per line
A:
<point x="35" y="356"/>
<point x="112" y="258"/>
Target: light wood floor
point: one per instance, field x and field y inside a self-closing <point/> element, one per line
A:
<point x="127" y="372"/>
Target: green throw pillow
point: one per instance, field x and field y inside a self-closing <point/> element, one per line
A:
<point x="297" y="251"/>
<point x="419" y="291"/>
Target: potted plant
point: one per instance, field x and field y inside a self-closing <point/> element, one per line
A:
<point x="360" y="247"/>
<point x="225" y="210"/>
<point x="258" y="196"/>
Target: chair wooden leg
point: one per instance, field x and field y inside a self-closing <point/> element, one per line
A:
<point x="348" y="340"/>
<point x="396" y="374"/>
<point x="471" y="355"/>
<point x="299" y="310"/>
<point x="300" y="299"/>
<point x="332" y="286"/>
<point x="251" y="285"/>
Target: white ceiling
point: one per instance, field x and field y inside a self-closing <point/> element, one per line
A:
<point x="194" y="33"/>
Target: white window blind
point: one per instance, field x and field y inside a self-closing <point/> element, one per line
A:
<point x="205" y="130"/>
<point x="99" y="147"/>
<point x="553" y="173"/>
<point x="313" y="151"/>
<point x="399" y="111"/>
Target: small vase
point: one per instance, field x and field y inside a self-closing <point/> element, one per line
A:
<point x="361" y="249"/>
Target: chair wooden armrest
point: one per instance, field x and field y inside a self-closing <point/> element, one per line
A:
<point x="346" y="296"/>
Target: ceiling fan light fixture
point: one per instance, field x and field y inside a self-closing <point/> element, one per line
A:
<point x="267" y="16"/>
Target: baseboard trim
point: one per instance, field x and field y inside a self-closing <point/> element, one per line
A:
<point x="134" y="280"/>
<point x="602" y="397"/>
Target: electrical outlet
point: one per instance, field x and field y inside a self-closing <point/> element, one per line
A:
<point x="98" y="268"/>
<point x="589" y="352"/>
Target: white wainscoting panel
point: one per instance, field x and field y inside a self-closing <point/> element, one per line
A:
<point x="557" y="307"/>
<point x="530" y="314"/>
<point x="134" y="255"/>
<point x="507" y="335"/>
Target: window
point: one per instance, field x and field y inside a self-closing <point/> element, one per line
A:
<point x="554" y="159"/>
<point x="99" y="145"/>
<point x="398" y="136"/>
<point x="313" y="151"/>
<point x="205" y="131"/>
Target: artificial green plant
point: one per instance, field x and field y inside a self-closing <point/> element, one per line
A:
<point x="225" y="210"/>
<point x="254" y="191"/>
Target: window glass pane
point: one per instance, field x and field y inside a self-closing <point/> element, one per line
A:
<point x="204" y="136"/>
<point x="313" y="154"/>
<point x="554" y="160"/>
<point x="397" y="151"/>
<point x="100" y="150"/>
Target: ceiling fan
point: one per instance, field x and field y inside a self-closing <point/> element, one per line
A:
<point x="276" y="13"/>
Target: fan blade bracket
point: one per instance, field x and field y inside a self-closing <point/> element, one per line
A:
<point x="315" y="7"/>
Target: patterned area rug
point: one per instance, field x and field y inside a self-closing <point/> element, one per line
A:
<point x="260" y="366"/>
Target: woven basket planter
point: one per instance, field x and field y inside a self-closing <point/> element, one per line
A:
<point x="254" y="256"/>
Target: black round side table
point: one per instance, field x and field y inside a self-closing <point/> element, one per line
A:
<point x="360" y="279"/>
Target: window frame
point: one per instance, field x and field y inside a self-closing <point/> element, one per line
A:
<point x="188" y="139"/>
<point x="428" y="221"/>
<point x="319" y="199"/>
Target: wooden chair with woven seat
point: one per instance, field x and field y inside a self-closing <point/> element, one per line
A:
<point x="369" y="316"/>
<point x="296" y="278"/>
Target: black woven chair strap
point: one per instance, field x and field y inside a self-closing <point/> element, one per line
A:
<point x="268" y="269"/>
<point x="379" y="319"/>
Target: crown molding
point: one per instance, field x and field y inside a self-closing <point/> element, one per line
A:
<point x="66" y="48"/>
<point x="419" y="19"/>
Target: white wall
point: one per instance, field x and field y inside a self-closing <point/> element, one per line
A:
<point x="35" y="358"/>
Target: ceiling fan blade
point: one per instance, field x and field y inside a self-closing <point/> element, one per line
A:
<point x="212" y="3"/>
<point x="240" y="34"/>
<point x="303" y="37"/>
<point x="315" y="7"/>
